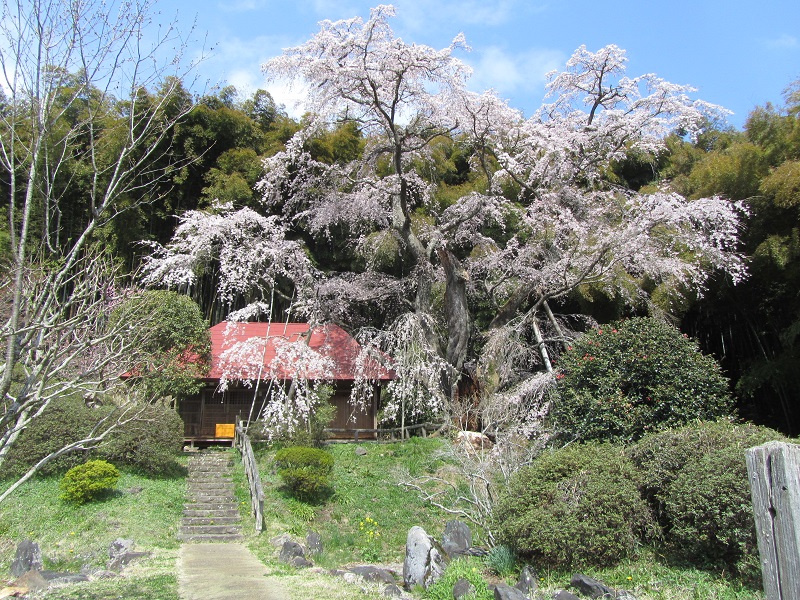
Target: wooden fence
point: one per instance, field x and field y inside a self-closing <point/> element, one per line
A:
<point x="389" y="432"/>
<point x="774" y="473"/>
<point x="242" y="442"/>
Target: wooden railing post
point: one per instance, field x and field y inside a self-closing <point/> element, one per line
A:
<point x="774" y="473"/>
<point x="242" y="442"/>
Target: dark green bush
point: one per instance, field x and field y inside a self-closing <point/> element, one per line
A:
<point x="89" y="481"/>
<point x="574" y="507"/>
<point x="149" y="443"/>
<point x="695" y="479"/>
<point x="632" y="377"/>
<point x="65" y="420"/>
<point x="305" y="471"/>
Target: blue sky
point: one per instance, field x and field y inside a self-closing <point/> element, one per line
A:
<point x="738" y="54"/>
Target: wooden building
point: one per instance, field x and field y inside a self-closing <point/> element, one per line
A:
<point x="258" y="353"/>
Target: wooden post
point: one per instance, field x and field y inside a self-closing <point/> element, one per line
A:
<point x="774" y="472"/>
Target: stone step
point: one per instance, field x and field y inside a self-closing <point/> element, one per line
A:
<point x="203" y="512"/>
<point x="210" y="538"/>
<point x="209" y="529"/>
<point x="211" y="520"/>
<point x="209" y="485"/>
<point x="212" y="499"/>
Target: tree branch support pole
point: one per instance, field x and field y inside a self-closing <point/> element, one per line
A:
<point x="774" y="473"/>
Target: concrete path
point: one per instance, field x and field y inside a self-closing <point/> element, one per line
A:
<point x="228" y="571"/>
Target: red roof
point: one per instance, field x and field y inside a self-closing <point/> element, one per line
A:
<point x="286" y="351"/>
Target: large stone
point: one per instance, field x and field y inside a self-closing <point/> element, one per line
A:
<point x="30" y="582"/>
<point x="528" y="583"/>
<point x="506" y="592"/>
<point x="565" y="595"/>
<point x="591" y="587"/>
<point x="121" y="554"/>
<point x="425" y="559"/>
<point x="457" y="538"/>
<point x="314" y="542"/>
<point x="462" y="588"/>
<point x="373" y="574"/>
<point x="292" y="553"/>
<point x="473" y="441"/>
<point x="27" y="558"/>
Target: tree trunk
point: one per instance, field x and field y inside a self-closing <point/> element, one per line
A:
<point x="456" y="310"/>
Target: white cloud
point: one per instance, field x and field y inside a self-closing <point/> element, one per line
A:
<point x="521" y="74"/>
<point x="784" y="42"/>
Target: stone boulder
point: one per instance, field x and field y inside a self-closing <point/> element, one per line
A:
<point x="506" y="592"/>
<point x="293" y="554"/>
<point x="462" y="588"/>
<point x="528" y="582"/>
<point x="457" y="538"/>
<point x="27" y="558"/>
<point x="121" y="554"/>
<point x="473" y="441"/>
<point x="425" y="559"/>
<point x="591" y="587"/>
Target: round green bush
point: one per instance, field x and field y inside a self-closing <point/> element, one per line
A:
<point x="149" y="443"/>
<point x="305" y="471"/>
<point x="88" y="481"/>
<point x="573" y="507"/>
<point x="623" y="380"/>
<point x="66" y="419"/>
<point x="695" y="479"/>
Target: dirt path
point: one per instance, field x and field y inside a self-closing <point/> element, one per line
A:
<point x="229" y="571"/>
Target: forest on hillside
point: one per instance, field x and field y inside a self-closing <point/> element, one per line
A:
<point x="439" y="222"/>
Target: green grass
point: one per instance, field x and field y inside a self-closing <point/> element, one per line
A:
<point x="72" y="537"/>
<point x="366" y="498"/>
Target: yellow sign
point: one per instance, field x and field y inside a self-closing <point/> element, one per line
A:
<point x="225" y="430"/>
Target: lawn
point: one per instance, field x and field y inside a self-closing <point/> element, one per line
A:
<point x="366" y="496"/>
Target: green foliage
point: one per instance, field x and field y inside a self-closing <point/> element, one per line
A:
<point x="89" y="481"/>
<point x="501" y="561"/>
<point x="150" y="443"/>
<point x="573" y="507"/>
<point x="695" y="479"/>
<point x="66" y="420"/>
<point x="461" y="568"/>
<point x="305" y="471"/>
<point x="635" y="376"/>
<point x="175" y="350"/>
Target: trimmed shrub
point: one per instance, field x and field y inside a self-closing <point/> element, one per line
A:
<point x="574" y="507"/>
<point x="305" y="471"/>
<point x="695" y="478"/>
<point x="636" y="376"/>
<point x="150" y="443"/>
<point x="65" y="420"/>
<point x="88" y="481"/>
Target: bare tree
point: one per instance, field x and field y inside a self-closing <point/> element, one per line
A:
<point x="91" y="92"/>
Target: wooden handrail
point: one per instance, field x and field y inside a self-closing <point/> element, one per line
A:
<point x="425" y="427"/>
<point x="242" y="442"/>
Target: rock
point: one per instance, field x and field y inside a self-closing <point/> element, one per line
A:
<point x="291" y="550"/>
<point x="65" y="578"/>
<point x="314" y="542"/>
<point x="30" y="581"/>
<point x="373" y="574"/>
<point x="625" y="595"/>
<point x="360" y="451"/>
<point x="591" y="587"/>
<point x="392" y="591"/>
<point x="528" y="582"/>
<point x="425" y="559"/>
<point x="565" y="595"/>
<point x="280" y="540"/>
<point x="27" y="558"/>
<point x="121" y="554"/>
<point x="102" y="574"/>
<point x="473" y="441"/>
<point x="300" y="562"/>
<point x="506" y="592"/>
<point x="462" y="588"/>
<point x="457" y="538"/>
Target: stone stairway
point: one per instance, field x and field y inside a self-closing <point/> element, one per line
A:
<point x="210" y="513"/>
